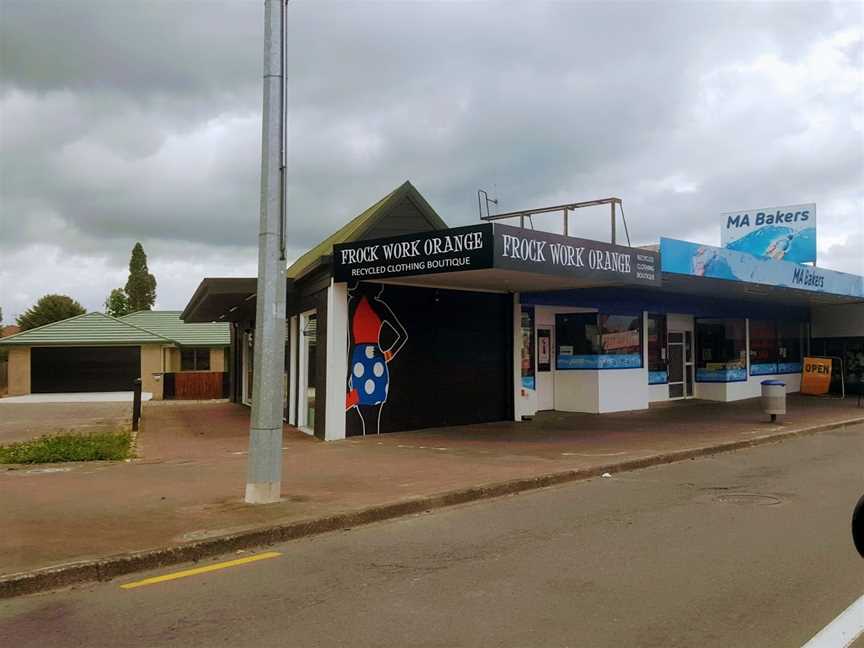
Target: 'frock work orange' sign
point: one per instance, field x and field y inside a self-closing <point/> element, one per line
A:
<point x="816" y="376"/>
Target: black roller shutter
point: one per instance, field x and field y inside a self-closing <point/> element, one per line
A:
<point x="84" y="369"/>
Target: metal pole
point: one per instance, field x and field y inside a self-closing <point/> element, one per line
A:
<point x="264" y="470"/>
<point x="613" y="222"/>
<point x="566" y="222"/>
<point x="136" y="404"/>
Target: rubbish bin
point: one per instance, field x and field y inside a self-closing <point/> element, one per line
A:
<point x="773" y="398"/>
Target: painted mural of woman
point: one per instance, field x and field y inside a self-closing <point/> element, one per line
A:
<point x="368" y="358"/>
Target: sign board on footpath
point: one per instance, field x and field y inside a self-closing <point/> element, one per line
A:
<point x="816" y="376"/>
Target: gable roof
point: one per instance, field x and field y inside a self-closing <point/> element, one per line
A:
<point x="94" y="329"/>
<point x="363" y="223"/>
<point x="169" y="325"/>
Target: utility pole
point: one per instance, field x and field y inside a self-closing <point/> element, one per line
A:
<point x="264" y="470"/>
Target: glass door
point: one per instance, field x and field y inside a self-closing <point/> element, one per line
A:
<point x="675" y="349"/>
<point x="308" y="371"/>
<point x="688" y="363"/>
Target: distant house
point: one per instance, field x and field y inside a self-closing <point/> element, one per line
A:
<point x="12" y="329"/>
<point x="97" y="353"/>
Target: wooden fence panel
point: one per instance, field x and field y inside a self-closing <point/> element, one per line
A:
<point x="199" y="385"/>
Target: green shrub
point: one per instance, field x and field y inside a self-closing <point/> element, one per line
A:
<point x="68" y="447"/>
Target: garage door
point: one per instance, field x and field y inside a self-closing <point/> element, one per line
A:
<point x="83" y="369"/>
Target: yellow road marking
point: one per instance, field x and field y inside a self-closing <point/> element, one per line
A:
<point x="201" y="570"/>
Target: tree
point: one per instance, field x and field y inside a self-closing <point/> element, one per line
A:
<point x="141" y="286"/>
<point x="117" y="303"/>
<point x="49" y="308"/>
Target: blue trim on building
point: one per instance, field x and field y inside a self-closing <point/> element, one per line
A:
<point x="721" y="375"/>
<point x="658" y="378"/>
<point x="763" y="369"/>
<point x="598" y="362"/>
<point x="628" y="300"/>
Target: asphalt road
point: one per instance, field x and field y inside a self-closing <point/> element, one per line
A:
<point x="750" y="548"/>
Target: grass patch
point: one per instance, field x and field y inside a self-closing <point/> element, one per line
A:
<point x="100" y="446"/>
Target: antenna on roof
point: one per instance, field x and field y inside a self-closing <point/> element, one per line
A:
<point x="488" y="200"/>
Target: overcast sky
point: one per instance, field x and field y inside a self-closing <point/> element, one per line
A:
<point x="140" y="121"/>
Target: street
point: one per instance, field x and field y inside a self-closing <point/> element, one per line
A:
<point x="750" y="548"/>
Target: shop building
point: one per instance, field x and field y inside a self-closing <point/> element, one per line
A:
<point x="397" y="322"/>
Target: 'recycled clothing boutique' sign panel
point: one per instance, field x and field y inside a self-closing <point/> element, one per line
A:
<point x="488" y="246"/>
<point x="455" y="249"/>
<point x="684" y="257"/>
<point x="541" y="252"/>
<point x="779" y="233"/>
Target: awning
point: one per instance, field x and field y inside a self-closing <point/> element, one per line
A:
<point x="222" y="300"/>
<point x="495" y="257"/>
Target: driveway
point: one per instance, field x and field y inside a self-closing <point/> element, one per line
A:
<point x="23" y="420"/>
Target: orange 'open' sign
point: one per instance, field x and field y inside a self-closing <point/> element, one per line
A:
<point x="816" y="376"/>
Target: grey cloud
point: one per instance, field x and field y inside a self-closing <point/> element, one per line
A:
<point x="140" y="120"/>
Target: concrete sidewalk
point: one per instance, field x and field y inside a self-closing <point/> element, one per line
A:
<point x="22" y="421"/>
<point x="187" y="484"/>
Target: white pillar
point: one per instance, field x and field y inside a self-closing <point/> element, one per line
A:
<point x="337" y="361"/>
<point x="293" y="341"/>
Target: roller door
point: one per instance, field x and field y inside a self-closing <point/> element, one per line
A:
<point x="84" y="369"/>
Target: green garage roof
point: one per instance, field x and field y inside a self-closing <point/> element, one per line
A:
<point x="94" y="329"/>
<point x="169" y="325"/>
<point x="143" y="327"/>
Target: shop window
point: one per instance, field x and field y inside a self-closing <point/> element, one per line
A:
<point x="195" y="359"/>
<point x="721" y="350"/>
<point x="763" y="347"/>
<point x="656" y="337"/>
<point x="598" y="341"/>
<point x="790" y="347"/>
<point x="528" y="379"/>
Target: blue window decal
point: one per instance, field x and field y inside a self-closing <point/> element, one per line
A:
<point x="657" y="378"/>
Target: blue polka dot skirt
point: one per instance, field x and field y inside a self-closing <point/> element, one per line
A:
<point x="369" y="375"/>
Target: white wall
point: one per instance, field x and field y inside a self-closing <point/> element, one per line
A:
<point x="577" y="391"/>
<point x="751" y="388"/>
<point x="839" y="320"/>
<point x="621" y="390"/>
<point x="337" y="360"/>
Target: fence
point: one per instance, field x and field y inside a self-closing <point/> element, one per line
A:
<point x="197" y="385"/>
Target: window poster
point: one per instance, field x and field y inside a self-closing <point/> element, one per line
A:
<point x="528" y="348"/>
<point x="544" y="350"/>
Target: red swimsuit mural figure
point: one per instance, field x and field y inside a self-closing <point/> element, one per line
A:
<point x="368" y="371"/>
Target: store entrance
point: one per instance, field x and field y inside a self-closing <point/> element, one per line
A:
<point x="680" y="350"/>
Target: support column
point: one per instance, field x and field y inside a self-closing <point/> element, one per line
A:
<point x="337" y="361"/>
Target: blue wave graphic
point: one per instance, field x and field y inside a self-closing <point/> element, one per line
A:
<point x="779" y="243"/>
